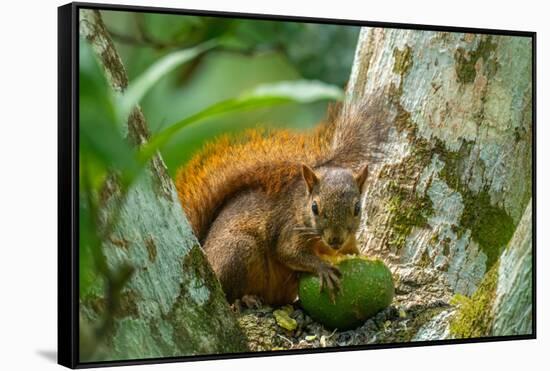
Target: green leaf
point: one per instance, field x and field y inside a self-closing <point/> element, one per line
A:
<point x="87" y="270"/>
<point x="284" y="320"/>
<point x="101" y="139"/>
<point x="141" y="85"/>
<point x="301" y="44"/>
<point x="301" y="91"/>
<point x="91" y="260"/>
<point x="266" y="95"/>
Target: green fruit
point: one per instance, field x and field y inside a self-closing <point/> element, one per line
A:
<point x="366" y="287"/>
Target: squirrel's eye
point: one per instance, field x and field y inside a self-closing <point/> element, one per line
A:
<point x="315" y="208"/>
<point x="357" y="208"/>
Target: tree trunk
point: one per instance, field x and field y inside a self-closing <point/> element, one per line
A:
<point x="512" y="308"/>
<point x="449" y="193"/>
<point x="173" y="305"/>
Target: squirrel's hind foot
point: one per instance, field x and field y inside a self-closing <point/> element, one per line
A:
<point x="252" y="301"/>
<point x="247" y="302"/>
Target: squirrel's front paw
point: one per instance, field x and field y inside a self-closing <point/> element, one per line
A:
<point x="330" y="279"/>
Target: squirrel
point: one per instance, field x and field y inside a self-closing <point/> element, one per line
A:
<point x="267" y="205"/>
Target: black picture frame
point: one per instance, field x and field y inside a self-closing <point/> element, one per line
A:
<point x="68" y="191"/>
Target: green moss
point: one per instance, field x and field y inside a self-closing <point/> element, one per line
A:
<point x="408" y="210"/>
<point x="403" y="121"/>
<point x="465" y="61"/>
<point x="491" y="226"/>
<point x="474" y="317"/>
<point x="407" y="333"/>
<point x="408" y="207"/>
<point x="402" y="61"/>
<point x="425" y="260"/>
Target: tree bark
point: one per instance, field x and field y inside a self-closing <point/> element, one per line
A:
<point x="454" y="181"/>
<point x="173" y="304"/>
<point x="513" y="304"/>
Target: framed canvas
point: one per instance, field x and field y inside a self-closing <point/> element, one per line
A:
<point x="239" y="185"/>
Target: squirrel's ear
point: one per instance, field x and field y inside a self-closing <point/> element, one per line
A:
<point x="362" y="176"/>
<point x="310" y="177"/>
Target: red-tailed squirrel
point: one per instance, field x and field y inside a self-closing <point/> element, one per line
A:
<point x="267" y="205"/>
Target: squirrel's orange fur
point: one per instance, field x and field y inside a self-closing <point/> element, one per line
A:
<point x="257" y="158"/>
<point x="266" y="205"/>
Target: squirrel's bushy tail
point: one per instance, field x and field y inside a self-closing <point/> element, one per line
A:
<point x="268" y="160"/>
<point x="358" y="130"/>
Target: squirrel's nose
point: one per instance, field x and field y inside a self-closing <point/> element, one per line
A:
<point x="335" y="242"/>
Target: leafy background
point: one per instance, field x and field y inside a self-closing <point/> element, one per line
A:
<point x="195" y="78"/>
<point x="251" y="52"/>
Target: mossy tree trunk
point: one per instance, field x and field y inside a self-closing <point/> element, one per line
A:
<point x="454" y="181"/>
<point x="172" y="305"/>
